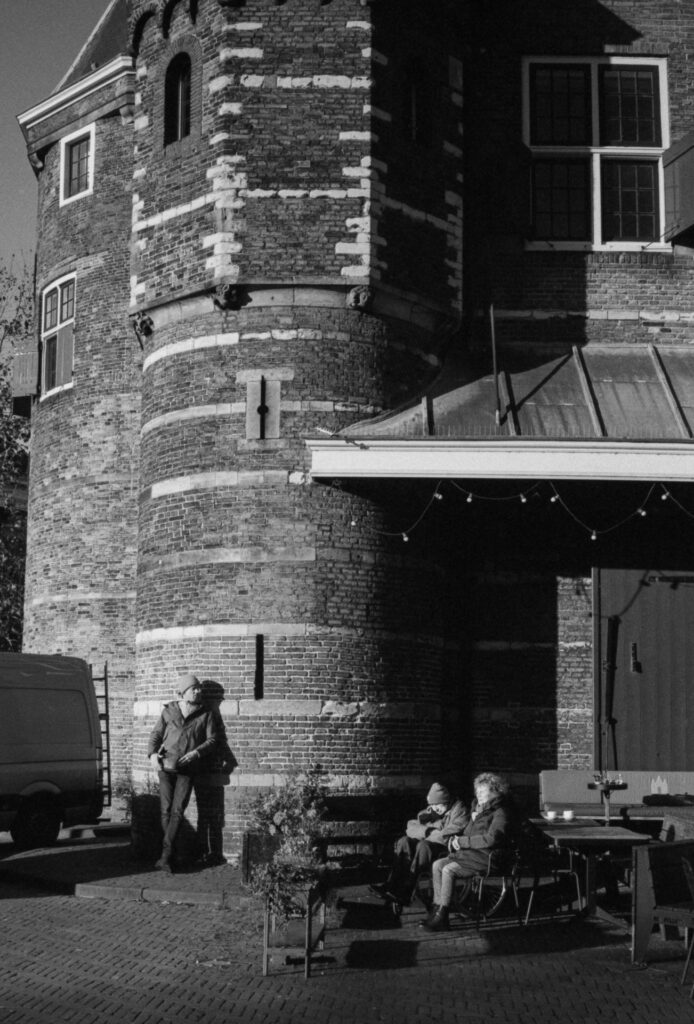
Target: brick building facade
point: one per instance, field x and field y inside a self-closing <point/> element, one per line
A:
<point x="404" y="226"/>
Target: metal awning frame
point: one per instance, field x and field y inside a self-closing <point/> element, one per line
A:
<point x="502" y="458"/>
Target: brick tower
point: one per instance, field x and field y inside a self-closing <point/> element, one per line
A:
<point x="290" y="259"/>
<point x="289" y="272"/>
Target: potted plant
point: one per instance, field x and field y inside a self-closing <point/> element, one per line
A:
<point x="291" y="878"/>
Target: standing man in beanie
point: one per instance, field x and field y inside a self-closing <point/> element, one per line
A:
<point x="186" y="734"/>
<point x="425" y="841"/>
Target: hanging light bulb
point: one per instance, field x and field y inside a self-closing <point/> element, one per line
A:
<point x="664" y="496"/>
<point x="642" y="512"/>
<point x="469" y="499"/>
<point x="438" y="495"/>
<point x="353" y="522"/>
<point x="555" y="497"/>
<point x="593" y="535"/>
<point x="405" y="538"/>
<point x="523" y="499"/>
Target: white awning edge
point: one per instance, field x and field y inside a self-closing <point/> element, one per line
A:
<point x="517" y="459"/>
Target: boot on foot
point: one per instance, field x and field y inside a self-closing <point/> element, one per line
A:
<point x="439" y="922"/>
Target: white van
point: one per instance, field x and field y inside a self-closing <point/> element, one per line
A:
<point x="50" y="747"/>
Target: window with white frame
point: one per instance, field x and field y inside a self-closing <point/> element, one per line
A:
<point x="596" y="129"/>
<point x="77" y="165"/>
<point x="57" y="330"/>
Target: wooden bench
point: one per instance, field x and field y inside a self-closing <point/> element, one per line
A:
<point x="646" y="794"/>
<point x="660" y="892"/>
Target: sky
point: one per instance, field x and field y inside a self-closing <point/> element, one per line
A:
<point x="39" y="40"/>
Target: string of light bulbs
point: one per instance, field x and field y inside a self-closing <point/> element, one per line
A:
<point x="534" y="490"/>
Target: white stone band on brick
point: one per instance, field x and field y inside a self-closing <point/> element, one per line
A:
<point x="227" y="556"/>
<point x="177" y="348"/>
<point x="219" y="630"/>
<point x="310" y="708"/>
<point x="335" y="783"/>
<point x="196" y="412"/>
<point x="83" y="597"/>
<point x="216" y="479"/>
<point x="646" y="316"/>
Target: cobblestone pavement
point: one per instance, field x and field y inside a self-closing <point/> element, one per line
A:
<point x="72" y="960"/>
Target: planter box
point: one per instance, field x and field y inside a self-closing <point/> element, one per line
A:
<point x="258" y="848"/>
<point x="299" y="937"/>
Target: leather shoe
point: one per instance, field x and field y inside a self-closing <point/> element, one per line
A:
<point x="439" y="922"/>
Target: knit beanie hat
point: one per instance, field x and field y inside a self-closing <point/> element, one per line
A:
<point x="185" y="682"/>
<point x="438" y="794"/>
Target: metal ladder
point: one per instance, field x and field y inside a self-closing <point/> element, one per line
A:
<point x="102" y="702"/>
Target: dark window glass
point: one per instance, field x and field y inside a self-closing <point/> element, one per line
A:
<point x="67" y="301"/>
<point x="629" y="201"/>
<point x="50" y="310"/>
<point x="561" y="200"/>
<point x="77" y="170"/>
<point x="50" y="362"/>
<point x="560" y="105"/>
<point x="629" y="107"/>
<point x="177" y="99"/>
<point x="418" y="105"/>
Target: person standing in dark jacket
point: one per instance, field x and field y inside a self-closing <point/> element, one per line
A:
<point x="186" y="735"/>
<point x="491" y="827"/>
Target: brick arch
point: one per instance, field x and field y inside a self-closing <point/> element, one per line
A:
<point x="152" y="9"/>
<point x="168" y="10"/>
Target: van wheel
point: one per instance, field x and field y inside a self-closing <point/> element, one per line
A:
<point x="37" y="823"/>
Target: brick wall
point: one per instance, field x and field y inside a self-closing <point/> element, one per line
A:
<point x="80" y="577"/>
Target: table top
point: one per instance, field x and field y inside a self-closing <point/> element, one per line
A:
<point x="544" y="822"/>
<point x="594" y="837"/>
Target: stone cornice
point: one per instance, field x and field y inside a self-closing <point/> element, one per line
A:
<point x="120" y="67"/>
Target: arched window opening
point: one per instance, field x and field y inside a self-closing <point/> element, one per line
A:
<point x="177" y="99"/>
<point x="417" y="104"/>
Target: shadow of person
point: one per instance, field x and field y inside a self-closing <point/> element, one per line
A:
<point x="209" y="784"/>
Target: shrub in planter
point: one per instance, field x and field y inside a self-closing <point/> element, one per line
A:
<point x="290" y="816"/>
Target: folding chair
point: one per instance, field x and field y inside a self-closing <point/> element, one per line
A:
<point x="487" y="890"/>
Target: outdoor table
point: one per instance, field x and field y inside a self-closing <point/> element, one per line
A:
<point x="590" y="842"/>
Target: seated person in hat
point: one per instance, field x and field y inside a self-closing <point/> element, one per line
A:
<point x="491" y="826"/>
<point x="425" y="841"/>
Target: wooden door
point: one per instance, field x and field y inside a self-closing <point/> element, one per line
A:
<point x="644" y="695"/>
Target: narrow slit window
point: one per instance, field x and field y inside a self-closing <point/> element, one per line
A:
<point x="177" y="99"/>
<point x="259" y="681"/>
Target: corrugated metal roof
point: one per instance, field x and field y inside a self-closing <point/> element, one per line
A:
<point x="629" y="392"/>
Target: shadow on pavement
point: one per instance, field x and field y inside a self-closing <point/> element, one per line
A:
<point x="363" y="916"/>
<point x="380" y="954"/>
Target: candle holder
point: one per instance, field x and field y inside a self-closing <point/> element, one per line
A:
<point x="607" y="786"/>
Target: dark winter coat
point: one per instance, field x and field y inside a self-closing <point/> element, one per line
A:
<point x="493" y="827"/>
<point x="201" y="731"/>
<point x="439" y="828"/>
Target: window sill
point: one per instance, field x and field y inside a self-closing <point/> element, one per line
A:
<point x="56" y="391"/>
<point x="606" y="247"/>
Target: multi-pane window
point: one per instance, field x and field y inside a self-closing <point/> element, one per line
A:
<point x="57" y="329"/>
<point x="596" y="130"/>
<point x="76" y="165"/>
<point x="177" y="96"/>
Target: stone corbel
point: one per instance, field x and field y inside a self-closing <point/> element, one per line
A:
<point x="359" y="298"/>
<point x="229" y="297"/>
<point x="143" y="325"/>
<point x="36" y="162"/>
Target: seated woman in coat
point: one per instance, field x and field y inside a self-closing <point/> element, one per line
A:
<point x="491" y="825"/>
